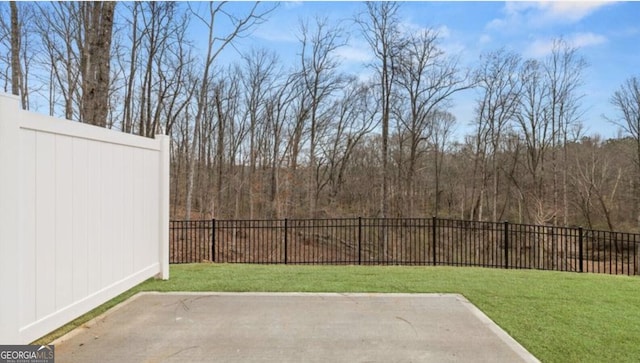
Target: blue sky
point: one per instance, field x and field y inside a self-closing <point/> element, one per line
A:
<point x="607" y="34"/>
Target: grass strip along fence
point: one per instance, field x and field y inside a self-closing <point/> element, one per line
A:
<point x="415" y="241"/>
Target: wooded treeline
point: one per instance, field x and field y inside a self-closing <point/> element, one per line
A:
<point x="264" y="137"/>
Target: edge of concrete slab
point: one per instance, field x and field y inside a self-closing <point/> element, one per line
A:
<point x="484" y="319"/>
<point x="80" y="329"/>
<point x="497" y="330"/>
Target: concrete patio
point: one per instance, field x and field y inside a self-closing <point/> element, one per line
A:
<point x="291" y="327"/>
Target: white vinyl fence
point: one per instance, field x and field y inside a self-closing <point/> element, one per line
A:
<point x="84" y="216"/>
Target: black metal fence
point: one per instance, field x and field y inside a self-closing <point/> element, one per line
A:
<point x="406" y="241"/>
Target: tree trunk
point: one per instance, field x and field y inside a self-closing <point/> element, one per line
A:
<point x="219" y="151"/>
<point x="15" y="50"/>
<point x="95" y="61"/>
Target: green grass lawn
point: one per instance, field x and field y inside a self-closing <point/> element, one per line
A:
<point x="557" y="316"/>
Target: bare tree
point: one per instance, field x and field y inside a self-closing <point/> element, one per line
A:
<point x="237" y="129"/>
<point x="563" y="69"/>
<point x="426" y="78"/>
<point x="626" y="100"/>
<point x="297" y="132"/>
<point x="533" y="121"/>
<point x="354" y="118"/>
<point x="321" y="81"/>
<point x="226" y="104"/>
<point x="240" y="27"/>
<point x="442" y="127"/>
<point x="59" y="27"/>
<point x="595" y="182"/>
<point x="279" y="113"/>
<point x="16" y="36"/>
<point x="135" y="41"/>
<point x="380" y="27"/>
<point x="498" y="105"/>
<point x="153" y="63"/>
<point x="257" y="80"/>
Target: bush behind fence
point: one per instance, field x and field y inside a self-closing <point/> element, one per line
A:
<point x="406" y="241"/>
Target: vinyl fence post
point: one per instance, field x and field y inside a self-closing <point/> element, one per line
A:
<point x="580" y="248"/>
<point x="285" y="240"/>
<point x="359" y="240"/>
<point x="164" y="181"/>
<point x="506" y="244"/>
<point x="10" y="242"/>
<point x="213" y="240"/>
<point x="433" y="239"/>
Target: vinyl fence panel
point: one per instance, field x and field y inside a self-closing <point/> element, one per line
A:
<point x="84" y="216"/>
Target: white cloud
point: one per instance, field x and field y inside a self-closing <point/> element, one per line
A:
<point x="407" y="28"/>
<point x="627" y="31"/>
<point x="485" y="39"/>
<point x="539" y="48"/>
<point x="443" y="32"/>
<point x="365" y="75"/>
<point x="581" y="40"/>
<point x="543" y="47"/>
<point x="454" y="48"/>
<point x="571" y="11"/>
<point x="544" y="13"/>
<point x="355" y="54"/>
<point x="276" y="35"/>
<point x="292" y="4"/>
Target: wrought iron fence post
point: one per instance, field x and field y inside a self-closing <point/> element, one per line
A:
<point x="359" y="240"/>
<point x="285" y="240"/>
<point x="506" y="244"/>
<point x="636" y="270"/>
<point x="213" y="240"/>
<point x="580" y="248"/>
<point x="433" y="239"/>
